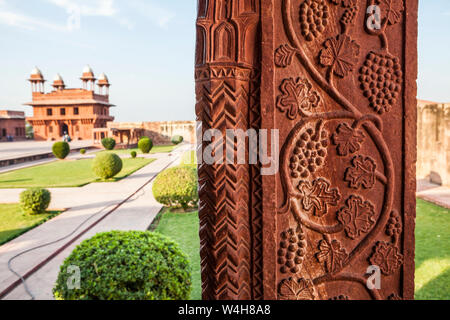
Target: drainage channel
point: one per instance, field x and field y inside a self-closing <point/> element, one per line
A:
<point x="22" y="278"/>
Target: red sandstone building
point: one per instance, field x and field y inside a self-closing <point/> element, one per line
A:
<point x="75" y="111"/>
<point x="12" y="125"/>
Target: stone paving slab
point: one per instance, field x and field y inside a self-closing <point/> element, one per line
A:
<point x="85" y="202"/>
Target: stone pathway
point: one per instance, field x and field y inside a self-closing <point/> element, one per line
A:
<point x="11" y="150"/>
<point x="90" y="202"/>
<point x="434" y="193"/>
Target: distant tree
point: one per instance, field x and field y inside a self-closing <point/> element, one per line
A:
<point x="29" y="131"/>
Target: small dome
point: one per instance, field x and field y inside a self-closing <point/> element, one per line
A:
<point x="58" y="78"/>
<point x="36" y="72"/>
<point x="103" y="77"/>
<point x="88" y="69"/>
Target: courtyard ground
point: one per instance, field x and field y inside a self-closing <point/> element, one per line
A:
<point x="124" y="205"/>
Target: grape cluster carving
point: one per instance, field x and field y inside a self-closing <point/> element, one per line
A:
<point x="313" y="18"/>
<point x="309" y="152"/>
<point x="292" y="250"/>
<point x="381" y="80"/>
<point x="349" y="15"/>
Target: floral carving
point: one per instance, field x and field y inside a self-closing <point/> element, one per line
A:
<point x="297" y="97"/>
<point x="387" y="256"/>
<point x="313" y="18"/>
<point x="362" y="173"/>
<point x="357" y="217"/>
<point x="318" y="196"/>
<point x="284" y="55"/>
<point x="392" y="10"/>
<point x="332" y="254"/>
<point x="292" y="250"/>
<point x="340" y="55"/>
<point x="296" y="289"/>
<point x="381" y="81"/>
<point x="309" y="152"/>
<point x="347" y="139"/>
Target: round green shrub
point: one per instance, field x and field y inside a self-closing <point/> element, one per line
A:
<point x="107" y="165"/>
<point x="109" y="143"/>
<point x="83" y="151"/>
<point x="61" y="149"/>
<point x="133" y="154"/>
<point x="145" y="144"/>
<point x="177" y="187"/>
<point x="35" y="200"/>
<point x="177" y="139"/>
<point x="132" y="265"/>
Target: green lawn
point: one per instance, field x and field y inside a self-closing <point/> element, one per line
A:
<point x="183" y="228"/>
<point x="155" y="149"/>
<point x="64" y="173"/>
<point x="432" y="252"/>
<point x="13" y="222"/>
<point x="432" y="248"/>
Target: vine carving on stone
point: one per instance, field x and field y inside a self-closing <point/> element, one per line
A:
<point x="331" y="61"/>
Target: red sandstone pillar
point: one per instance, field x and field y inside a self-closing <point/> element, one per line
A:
<point x="337" y="80"/>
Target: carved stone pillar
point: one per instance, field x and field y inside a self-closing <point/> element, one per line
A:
<point x="228" y="80"/>
<point x="336" y="78"/>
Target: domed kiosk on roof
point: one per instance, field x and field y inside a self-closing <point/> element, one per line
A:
<point x="88" y="78"/>
<point x="37" y="80"/>
<point x="102" y="83"/>
<point x="58" y="82"/>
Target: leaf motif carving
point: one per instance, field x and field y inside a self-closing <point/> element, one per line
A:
<point x="340" y="54"/>
<point x="332" y="254"/>
<point x="387" y="256"/>
<point x="296" y="289"/>
<point x="357" y="217"/>
<point x="284" y="55"/>
<point x="318" y="196"/>
<point x="347" y="139"/>
<point x="393" y="10"/>
<point x="362" y="173"/>
<point x="297" y="97"/>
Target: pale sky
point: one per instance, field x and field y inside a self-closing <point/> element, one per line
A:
<point x="146" y="48"/>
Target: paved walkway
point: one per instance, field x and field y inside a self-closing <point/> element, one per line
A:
<point x="92" y="202"/>
<point x="434" y="193"/>
<point x="19" y="149"/>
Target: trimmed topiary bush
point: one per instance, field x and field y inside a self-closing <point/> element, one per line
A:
<point x="35" y="200"/>
<point x="107" y="165"/>
<point x="83" y="151"/>
<point x="133" y="265"/>
<point x="61" y="149"/>
<point x="109" y="143"/>
<point x="177" y="139"/>
<point x="177" y="187"/>
<point x="133" y="154"/>
<point x="145" y="145"/>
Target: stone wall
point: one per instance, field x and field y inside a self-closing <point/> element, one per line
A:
<point x="433" y="142"/>
<point x="160" y="132"/>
